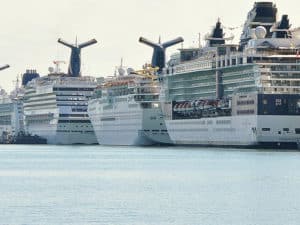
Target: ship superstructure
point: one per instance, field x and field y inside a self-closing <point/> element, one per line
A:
<point x="125" y="110"/>
<point x="239" y="95"/>
<point x="11" y="116"/>
<point x="11" y="112"/>
<point x="55" y="106"/>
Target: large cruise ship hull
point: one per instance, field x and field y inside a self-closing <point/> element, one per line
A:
<point x="254" y="130"/>
<point x="128" y="124"/>
<point x="63" y="134"/>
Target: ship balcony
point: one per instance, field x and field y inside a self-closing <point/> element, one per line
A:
<point x="265" y="77"/>
<point x="281" y="89"/>
<point x="265" y="70"/>
<point x="283" y="79"/>
<point x="203" y="79"/>
<point x="211" y="84"/>
<point x="195" y="93"/>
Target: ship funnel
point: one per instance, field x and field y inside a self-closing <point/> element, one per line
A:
<point x="159" y="51"/>
<point x="217" y="36"/>
<point x="262" y="14"/>
<point x="4" y="67"/>
<point x="28" y="76"/>
<point x="281" y="29"/>
<point x="75" y="59"/>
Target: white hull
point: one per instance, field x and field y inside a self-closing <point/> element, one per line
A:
<point x="235" y="131"/>
<point x="123" y="125"/>
<point x="70" y="135"/>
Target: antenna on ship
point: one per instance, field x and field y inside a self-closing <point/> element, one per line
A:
<point x="17" y="82"/>
<point x="4" y="67"/>
<point x="159" y="51"/>
<point x="57" y="64"/>
<point x="120" y="69"/>
<point x="75" y="59"/>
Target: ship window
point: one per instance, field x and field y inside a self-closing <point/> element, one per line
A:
<point x="233" y="62"/>
<point x="249" y="60"/>
<point x="286" y="129"/>
<point x="278" y="102"/>
<point x="297" y="130"/>
<point x="265" y="129"/>
<point x="245" y="112"/>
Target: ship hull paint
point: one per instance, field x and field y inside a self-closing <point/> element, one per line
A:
<point x="123" y="125"/>
<point x="70" y="135"/>
<point x="71" y="139"/>
<point x="124" y="137"/>
<point x="273" y="131"/>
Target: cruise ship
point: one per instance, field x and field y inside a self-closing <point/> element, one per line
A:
<point x="246" y="94"/>
<point x="11" y="112"/>
<point x="55" y="106"/>
<point x="125" y="109"/>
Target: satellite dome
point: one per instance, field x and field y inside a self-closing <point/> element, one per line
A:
<point x="260" y="32"/>
<point x="51" y="69"/>
<point x="121" y="71"/>
<point x="130" y="71"/>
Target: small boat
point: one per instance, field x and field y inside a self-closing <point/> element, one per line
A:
<point x="25" y="138"/>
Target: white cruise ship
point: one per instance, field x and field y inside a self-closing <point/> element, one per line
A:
<point x="125" y="110"/>
<point x="55" y="108"/>
<point x="11" y="115"/>
<point x="11" y="112"/>
<point x="237" y="95"/>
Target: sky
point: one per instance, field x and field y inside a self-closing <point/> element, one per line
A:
<point x="30" y="29"/>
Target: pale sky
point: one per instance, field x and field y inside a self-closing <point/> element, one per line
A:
<point x="30" y="29"/>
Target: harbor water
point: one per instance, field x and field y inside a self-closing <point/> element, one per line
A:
<point x="91" y="185"/>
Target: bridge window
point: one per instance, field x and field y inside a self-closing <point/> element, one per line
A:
<point x="265" y="129"/>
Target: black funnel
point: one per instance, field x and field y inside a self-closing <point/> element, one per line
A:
<point x="28" y="76"/>
<point x="282" y="28"/>
<point x="159" y="51"/>
<point x="217" y="37"/>
<point x="75" y="59"/>
<point x="4" y="67"/>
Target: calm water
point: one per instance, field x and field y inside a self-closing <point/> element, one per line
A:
<point x="51" y="185"/>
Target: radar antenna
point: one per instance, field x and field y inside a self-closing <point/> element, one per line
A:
<point x="120" y="69"/>
<point x="57" y="64"/>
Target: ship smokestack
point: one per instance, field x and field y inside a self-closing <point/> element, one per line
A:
<point x="159" y="51"/>
<point x="75" y="59"/>
<point x="4" y="67"/>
